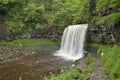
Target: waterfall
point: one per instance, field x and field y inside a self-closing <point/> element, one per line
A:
<point x="72" y="45"/>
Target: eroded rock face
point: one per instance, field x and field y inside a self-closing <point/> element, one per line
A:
<point x="104" y="25"/>
<point x="46" y="33"/>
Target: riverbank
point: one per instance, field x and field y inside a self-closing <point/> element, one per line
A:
<point x="8" y="53"/>
<point x="19" y="48"/>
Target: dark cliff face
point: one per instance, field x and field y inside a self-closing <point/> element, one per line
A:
<point x="104" y="25"/>
<point x="3" y="29"/>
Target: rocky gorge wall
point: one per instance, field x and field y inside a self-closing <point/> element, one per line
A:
<point x="104" y="23"/>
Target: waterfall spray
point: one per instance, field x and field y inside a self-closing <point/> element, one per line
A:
<point x="72" y="45"/>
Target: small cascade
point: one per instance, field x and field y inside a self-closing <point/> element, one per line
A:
<point x="72" y="45"/>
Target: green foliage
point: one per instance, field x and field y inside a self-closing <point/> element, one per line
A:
<point x="111" y="18"/>
<point x="107" y="12"/>
<point x="83" y="12"/>
<point x="111" y="60"/>
<point x="12" y="11"/>
<point x="93" y="45"/>
<point x="30" y="42"/>
<point x="71" y="74"/>
<point x="34" y="14"/>
<point x="103" y="5"/>
<point x="28" y="15"/>
<point x="22" y="15"/>
<point x="70" y="12"/>
<point x="9" y="1"/>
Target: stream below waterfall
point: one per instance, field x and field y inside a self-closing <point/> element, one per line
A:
<point x="31" y="67"/>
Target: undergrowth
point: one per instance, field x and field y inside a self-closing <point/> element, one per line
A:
<point x="113" y="18"/>
<point x="111" y="60"/>
<point x="107" y="4"/>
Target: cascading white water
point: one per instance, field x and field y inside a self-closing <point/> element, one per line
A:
<point x="72" y="45"/>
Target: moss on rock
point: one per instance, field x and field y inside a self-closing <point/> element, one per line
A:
<point x="105" y="21"/>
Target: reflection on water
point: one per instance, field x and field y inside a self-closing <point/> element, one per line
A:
<point x="31" y="67"/>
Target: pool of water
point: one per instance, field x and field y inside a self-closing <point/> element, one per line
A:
<point x="33" y="67"/>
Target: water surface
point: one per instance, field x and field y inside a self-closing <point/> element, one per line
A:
<point x="31" y="67"/>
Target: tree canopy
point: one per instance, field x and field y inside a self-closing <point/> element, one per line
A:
<point x="26" y="15"/>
